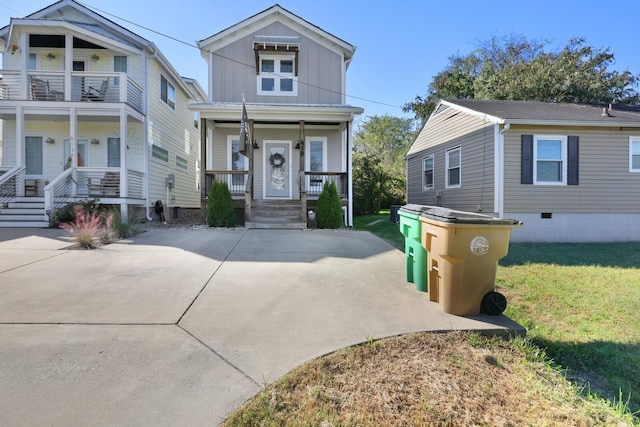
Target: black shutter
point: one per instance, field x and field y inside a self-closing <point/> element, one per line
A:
<point x="526" y="161"/>
<point x="573" y="156"/>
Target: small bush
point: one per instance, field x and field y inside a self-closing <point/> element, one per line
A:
<point x="67" y="213"/>
<point x="89" y="228"/>
<point x="122" y="230"/>
<point x="220" y="211"/>
<point x="329" y="209"/>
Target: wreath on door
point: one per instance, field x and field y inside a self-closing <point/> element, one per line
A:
<point x="276" y="160"/>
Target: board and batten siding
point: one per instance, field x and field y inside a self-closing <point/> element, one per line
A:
<point x="605" y="183"/>
<point x="445" y="131"/>
<point x="234" y="71"/>
<point x="174" y="131"/>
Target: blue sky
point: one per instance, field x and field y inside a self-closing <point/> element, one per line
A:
<point x="400" y="44"/>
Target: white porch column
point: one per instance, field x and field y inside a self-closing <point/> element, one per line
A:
<point x="19" y="136"/>
<point x="25" y="87"/>
<point x="350" y="172"/>
<point x="124" y="162"/>
<point x="68" y="65"/>
<point x="73" y="141"/>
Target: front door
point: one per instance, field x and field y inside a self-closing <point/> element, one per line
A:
<point x="277" y="169"/>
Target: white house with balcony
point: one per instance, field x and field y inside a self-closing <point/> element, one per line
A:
<point x="90" y="109"/>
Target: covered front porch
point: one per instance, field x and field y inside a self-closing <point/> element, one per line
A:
<point x="65" y="154"/>
<point x="291" y="152"/>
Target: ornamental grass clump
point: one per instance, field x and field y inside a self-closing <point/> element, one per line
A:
<point x="329" y="209"/>
<point x="220" y="211"/>
<point x="89" y="229"/>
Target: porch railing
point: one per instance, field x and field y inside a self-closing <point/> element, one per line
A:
<point x="312" y="182"/>
<point x="58" y="192"/>
<point x="10" y="179"/>
<point x="85" y="86"/>
<point x="237" y="181"/>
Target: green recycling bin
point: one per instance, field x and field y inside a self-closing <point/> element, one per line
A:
<point x="415" y="253"/>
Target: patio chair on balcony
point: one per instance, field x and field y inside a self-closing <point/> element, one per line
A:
<point x="93" y="94"/>
<point x="39" y="89"/>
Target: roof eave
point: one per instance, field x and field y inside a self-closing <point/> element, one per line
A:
<point x="276" y="112"/>
<point x="573" y="123"/>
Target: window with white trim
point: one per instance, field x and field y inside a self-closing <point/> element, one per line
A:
<point x="427" y="173"/>
<point x="634" y="154"/>
<point x="113" y="152"/>
<point x="550" y="159"/>
<point x="236" y="161"/>
<point x="277" y="75"/>
<point x="316" y="160"/>
<point x="181" y="163"/>
<point x="453" y="167"/>
<point x="167" y="92"/>
<point x="159" y="153"/>
<point x="32" y="62"/>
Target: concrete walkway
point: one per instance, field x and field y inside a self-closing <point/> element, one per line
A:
<point x="179" y="327"/>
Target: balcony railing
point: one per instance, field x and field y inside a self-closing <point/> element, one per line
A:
<point x="85" y="87"/>
<point x="313" y="182"/>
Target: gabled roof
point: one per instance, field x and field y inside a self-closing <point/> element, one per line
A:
<point x="266" y="17"/>
<point x="60" y="12"/>
<point x="547" y="113"/>
<point x="75" y="17"/>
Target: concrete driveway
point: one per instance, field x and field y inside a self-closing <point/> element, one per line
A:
<point x="179" y="327"/>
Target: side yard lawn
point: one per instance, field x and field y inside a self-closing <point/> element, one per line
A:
<point x="579" y="302"/>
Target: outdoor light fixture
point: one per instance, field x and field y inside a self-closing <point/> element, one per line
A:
<point x="51" y="56"/>
<point x="95" y="141"/>
<point x="14" y="47"/>
<point x="95" y="57"/>
<point x="50" y="140"/>
<point x="300" y="145"/>
<point x="255" y="146"/>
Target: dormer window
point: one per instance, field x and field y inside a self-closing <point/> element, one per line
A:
<point x="276" y="65"/>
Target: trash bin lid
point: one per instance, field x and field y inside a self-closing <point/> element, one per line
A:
<point x="463" y="217"/>
<point x="415" y="209"/>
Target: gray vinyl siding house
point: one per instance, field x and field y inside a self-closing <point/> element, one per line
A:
<point x="290" y="75"/>
<point x="570" y="172"/>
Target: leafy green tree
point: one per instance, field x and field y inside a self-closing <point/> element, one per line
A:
<point x="329" y="209"/>
<point x="519" y="69"/>
<point x="220" y="211"/>
<point x="378" y="162"/>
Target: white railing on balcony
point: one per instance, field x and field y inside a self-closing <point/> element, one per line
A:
<point x="85" y="86"/>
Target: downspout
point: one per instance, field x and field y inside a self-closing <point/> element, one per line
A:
<point x="498" y="186"/>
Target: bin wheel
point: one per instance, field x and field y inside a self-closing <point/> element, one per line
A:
<point x="494" y="303"/>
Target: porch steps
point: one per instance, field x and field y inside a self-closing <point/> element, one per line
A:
<point x="276" y="214"/>
<point x="25" y="212"/>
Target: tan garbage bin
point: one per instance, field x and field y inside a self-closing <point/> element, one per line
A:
<point x="463" y="253"/>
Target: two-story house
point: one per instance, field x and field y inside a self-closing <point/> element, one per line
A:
<point x="90" y="109"/>
<point x="291" y="75"/>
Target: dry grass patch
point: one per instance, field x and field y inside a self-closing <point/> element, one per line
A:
<point x="453" y="379"/>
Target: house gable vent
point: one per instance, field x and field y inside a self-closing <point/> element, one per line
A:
<point x="441" y="108"/>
